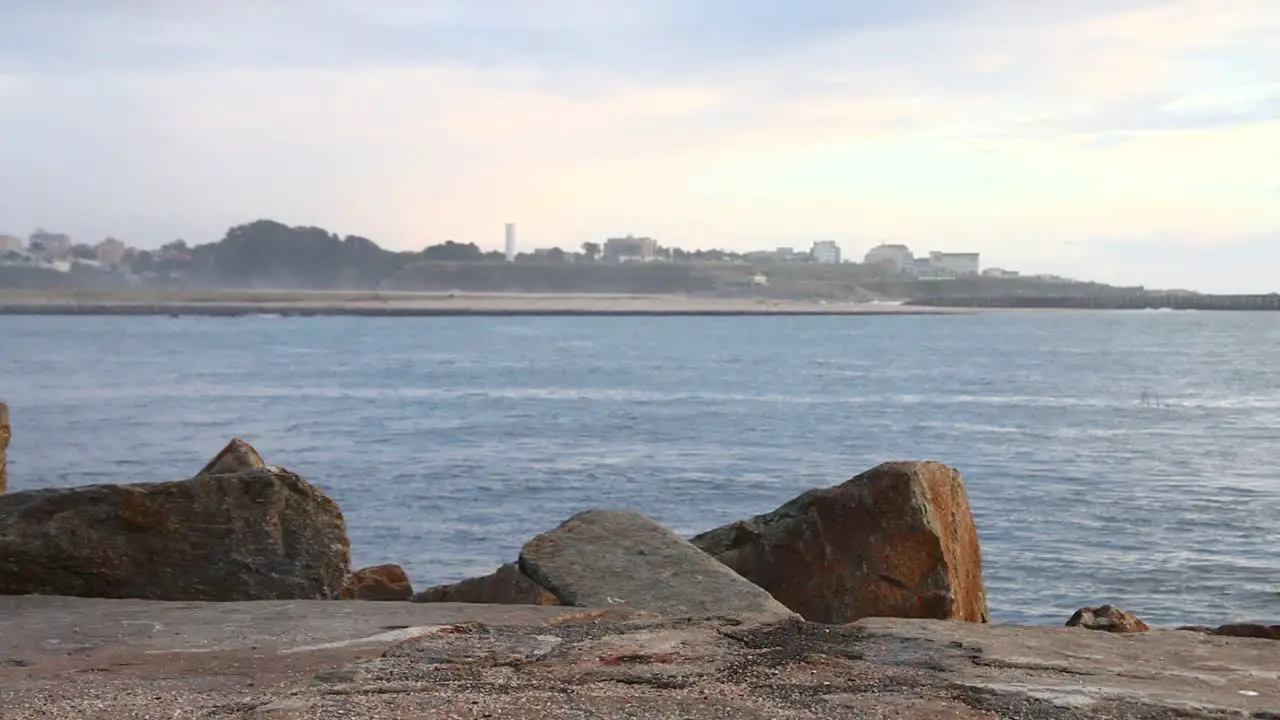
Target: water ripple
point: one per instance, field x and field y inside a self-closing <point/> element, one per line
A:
<point x="449" y="441"/>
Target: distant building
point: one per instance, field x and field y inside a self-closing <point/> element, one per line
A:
<point x="511" y="242"/>
<point x="1000" y="273"/>
<point x="50" y="246"/>
<point x="778" y="255"/>
<point x="111" y="252"/>
<point x="899" y="257"/>
<point x="826" y="252"/>
<point x="630" y="249"/>
<point x="9" y="243"/>
<point x="955" y="264"/>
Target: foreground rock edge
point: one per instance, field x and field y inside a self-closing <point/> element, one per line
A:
<point x="472" y="659"/>
<point x="754" y="668"/>
<point x="411" y="661"/>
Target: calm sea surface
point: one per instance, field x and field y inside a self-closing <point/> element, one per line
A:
<point x="450" y="441"/>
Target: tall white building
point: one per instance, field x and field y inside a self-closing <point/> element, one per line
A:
<point x="826" y="252"/>
<point x="511" y="242"/>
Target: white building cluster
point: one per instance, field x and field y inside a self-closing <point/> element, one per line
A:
<point x="900" y="259"/>
<point x="57" y="251"/>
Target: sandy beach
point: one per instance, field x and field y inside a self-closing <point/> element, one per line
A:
<point x="368" y="303"/>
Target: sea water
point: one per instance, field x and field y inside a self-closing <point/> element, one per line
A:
<point x="1125" y="457"/>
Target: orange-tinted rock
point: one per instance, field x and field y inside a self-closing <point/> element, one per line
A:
<point x="1108" y="619"/>
<point x="380" y="582"/>
<point x="506" y="586"/>
<point x="5" y="434"/>
<point x="258" y="535"/>
<point x="896" y="541"/>
<point x="237" y="456"/>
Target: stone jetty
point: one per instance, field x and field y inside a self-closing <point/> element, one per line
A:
<point x="860" y="600"/>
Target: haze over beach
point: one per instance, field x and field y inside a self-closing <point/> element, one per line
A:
<point x="1120" y="142"/>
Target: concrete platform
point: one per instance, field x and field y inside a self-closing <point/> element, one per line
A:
<point x="79" y="658"/>
<point x="1072" y="667"/>
<point x="59" y="651"/>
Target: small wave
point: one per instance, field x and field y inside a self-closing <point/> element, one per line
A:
<point x="647" y="396"/>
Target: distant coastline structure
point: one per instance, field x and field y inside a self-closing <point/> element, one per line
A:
<point x="826" y="252"/>
<point x="899" y="258"/>
<point x="935" y="266"/>
<point x="511" y="242"/>
<point x="630" y="249"/>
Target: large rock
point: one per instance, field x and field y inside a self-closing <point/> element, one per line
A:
<point x="380" y="582"/>
<point x="5" y="434"/>
<point x="896" y="541"/>
<point x="1107" y="618"/>
<point x="603" y="558"/>
<point x="262" y="534"/>
<point x="506" y="586"/>
<point x="238" y="456"/>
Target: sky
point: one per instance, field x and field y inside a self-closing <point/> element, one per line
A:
<point x="1128" y="141"/>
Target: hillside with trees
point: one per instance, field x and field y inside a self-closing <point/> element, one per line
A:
<point x="268" y="255"/>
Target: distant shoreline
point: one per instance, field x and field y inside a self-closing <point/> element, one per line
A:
<point x="369" y="303"/>
<point x="405" y="304"/>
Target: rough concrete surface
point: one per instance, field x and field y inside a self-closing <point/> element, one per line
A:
<point x="1075" y="666"/>
<point x="79" y="658"/>
<point x="88" y="658"/>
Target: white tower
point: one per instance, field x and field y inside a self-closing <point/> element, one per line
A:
<point x="511" y="242"/>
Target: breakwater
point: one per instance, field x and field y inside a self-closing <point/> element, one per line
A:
<point x="1145" y="301"/>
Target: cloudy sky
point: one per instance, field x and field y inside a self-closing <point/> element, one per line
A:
<point x="1122" y="140"/>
